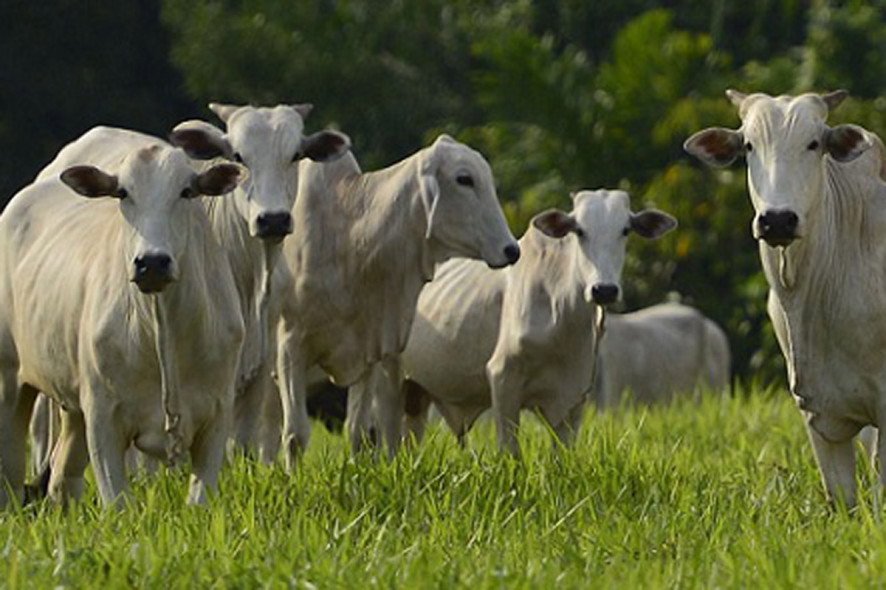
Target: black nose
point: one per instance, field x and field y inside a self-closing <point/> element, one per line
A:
<point x="512" y="253"/>
<point x="274" y="225"/>
<point x="152" y="272"/>
<point x="604" y="293"/>
<point x="778" y="227"/>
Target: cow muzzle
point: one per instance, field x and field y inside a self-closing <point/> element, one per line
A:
<point x="605" y="293"/>
<point x="511" y="254"/>
<point x="152" y="272"/>
<point x="273" y="226"/>
<point x="777" y="227"/>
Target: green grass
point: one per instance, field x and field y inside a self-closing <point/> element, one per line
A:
<point x="722" y="494"/>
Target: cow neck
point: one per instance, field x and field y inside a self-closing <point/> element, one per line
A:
<point x="838" y="258"/>
<point x="551" y="268"/>
<point x="252" y="261"/>
<point x="400" y="226"/>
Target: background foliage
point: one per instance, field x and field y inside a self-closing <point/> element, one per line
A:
<point x="558" y="94"/>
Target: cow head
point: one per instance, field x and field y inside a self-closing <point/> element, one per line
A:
<point x="459" y="198"/>
<point x="269" y="142"/>
<point x="154" y="185"/>
<point x="600" y="224"/>
<point x="785" y="141"/>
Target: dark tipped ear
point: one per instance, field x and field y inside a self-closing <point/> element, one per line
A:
<point x="89" y="181"/>
<point x="844" y="143"/>
<point x="218" y="180"/>
<point x="324" y="146"/>
<point x="555" y="223"/>
<point x="715" y="146"/>
<point x="652" y="223"/>
<point x="201" y="141"/>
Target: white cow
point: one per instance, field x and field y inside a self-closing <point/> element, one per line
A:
<point x="521" y="338"/>
<point x="124" y="311"/>
<point x="364" y="245"/>
<point x="251" y="225"/>
<point x="818" y="193"/>
<point x="658" y="353"/>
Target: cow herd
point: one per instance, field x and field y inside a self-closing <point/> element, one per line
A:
<point x="177" y="298"/>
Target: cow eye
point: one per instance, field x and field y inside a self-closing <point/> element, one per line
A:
<point x="748" y="147"/>
<point x="579" y="232"/>
<point x="188" y="193"/>
<point x="464" y="180"/>
<point x="813" y="145"/>
<point x="121" y="193"/>
<point x="238" y="158"/>
<point x="626" y="231"/>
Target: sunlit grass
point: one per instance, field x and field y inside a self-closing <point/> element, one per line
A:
<point x="724" y="493"/>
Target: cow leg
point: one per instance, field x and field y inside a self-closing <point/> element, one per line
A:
<point x="836" y="462"/>
<point x="869" y="439"/>
<point x="271" y="429"/>
<point x="291" y="380"/>
<point x="389" y="403"/>
<point x="107" y="450"/>
<point x="358" y="421"/>
<point x="207" y="458"/>
<point x="505" y="406"/>
<point x="44" y="431"/>
<point x="69" y="459"/>
<point x="418" y="404"/>
<point x="567" y="429"/>
<point x="16" y="404"/>
<point x="249" y="405"/>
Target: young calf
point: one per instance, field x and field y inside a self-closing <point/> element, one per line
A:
<point x="521" y="338"/>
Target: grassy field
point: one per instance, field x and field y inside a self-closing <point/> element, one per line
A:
<point x="724" y="494"/>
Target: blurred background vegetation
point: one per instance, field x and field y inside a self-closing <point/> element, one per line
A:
<point x="558" y="94"/>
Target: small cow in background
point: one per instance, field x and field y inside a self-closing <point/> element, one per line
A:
<point x="657" y="353"/>
<point x="123" y="310"/>
<point x="521" y="338"/>
<point x="819" y="194"/>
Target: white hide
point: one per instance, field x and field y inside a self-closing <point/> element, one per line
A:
<point x="364" y="245"/>
<point x="658" y="353"/>
<point x="155" y="370"/>
<point x="521" y="338"/>
<point x="827" y="286"/>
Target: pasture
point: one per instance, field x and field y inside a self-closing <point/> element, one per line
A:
<point x="722" y="494"/>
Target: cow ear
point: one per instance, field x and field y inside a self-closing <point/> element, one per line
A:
<point x="833" y="99"/>
<point x="429" y="187"/>
<point x="201" y="141"/>
<point x="555" y="223"/>
<point x="91" y="182"/>
<point x="223" y="111"/>
<point x="218" y="180"/>
<point x="324" y="146"/>
<point x="715" y="146"/>
<point x="652" y="223"/>
<point x="303" y="109"/>
<point x="844" y="143"/>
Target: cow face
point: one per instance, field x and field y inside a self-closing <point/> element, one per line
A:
<point x="600" y="224"/>
<point x="785" y="141"/>
<point x="269" y="142"/>
<point x="463" y="212"/>
<point x="154" y="186"/>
